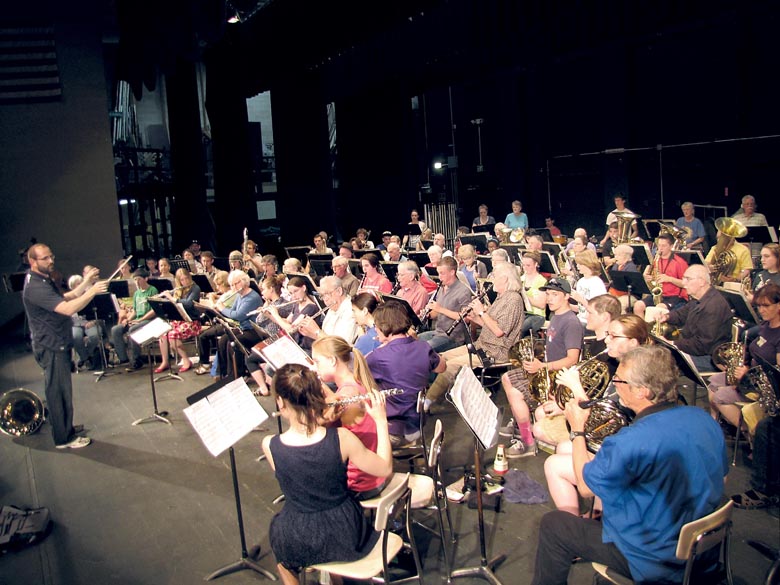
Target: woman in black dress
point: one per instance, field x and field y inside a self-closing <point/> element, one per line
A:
<point x="320" y="522"/>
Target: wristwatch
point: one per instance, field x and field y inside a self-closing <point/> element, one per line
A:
<point x="575" y="434"/>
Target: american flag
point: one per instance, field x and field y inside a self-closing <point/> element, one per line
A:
<point x="28" y="65"/>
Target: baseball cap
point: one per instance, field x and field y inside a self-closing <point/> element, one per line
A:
<point x="559" y="284"/>
<point x="235" y="255"/>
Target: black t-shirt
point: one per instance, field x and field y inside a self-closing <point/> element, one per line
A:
<point x="48" y="328"/>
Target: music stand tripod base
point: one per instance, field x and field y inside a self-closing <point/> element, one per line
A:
<point x="241" y="565"/>
<point x="169" y="376"/>
<point x="157" y="416"/>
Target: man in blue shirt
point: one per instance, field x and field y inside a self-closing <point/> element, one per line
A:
<point x="664" y="470"/>
<point x="247" y="300"/>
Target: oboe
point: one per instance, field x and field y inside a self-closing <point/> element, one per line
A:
<point x="361" y="397"/>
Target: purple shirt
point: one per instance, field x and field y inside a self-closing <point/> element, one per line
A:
<point x="403" y="363"/>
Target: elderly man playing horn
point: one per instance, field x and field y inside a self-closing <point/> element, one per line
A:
<point x="49" y="313"/>
<point x="651" y="481"/>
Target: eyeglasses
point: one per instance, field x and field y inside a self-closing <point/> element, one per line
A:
<point x="617" y="336"/>
<point x="49" y="257"/>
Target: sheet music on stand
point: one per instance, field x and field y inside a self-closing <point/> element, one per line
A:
<point x="283" y="351"/>
<point x="476" y="407"/>
<point x="152" y="330"/>
<point x="225" y="416"/>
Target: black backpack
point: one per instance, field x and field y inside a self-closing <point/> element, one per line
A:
<point x="20" y="527"/>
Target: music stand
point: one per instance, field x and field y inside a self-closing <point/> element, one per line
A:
<point x="298" y="252"/>
<point x="144" y="336"/>
<point x="411" y="229"/>
<point x="547" y="264"/>
<point x="391" y="270"/>
<point x="641" y="256"/>
<point x="119" y="288"/>
<point x="543" y="232"/>
<point x="413" y="317"/>
<point x="222" y="414"/>
<point x="652" y="228"/>
<point x="515" y="251"/>
<point x="483" y="418"/>
<point x="552" y="248"/>
<point x="489" y="228"/>
<point x="739" y="304"/>
<point x="203" y="282"/>
<point x="487" y="260"/>
<point x="358" y="254"/>
<point x="161" y="284"/>
<point x="684" y="364"/>
<point x="14" y="282"/>
<point x="419" y="258"/>
<point x="355" y="267"/>
<point x="222" y="263"/>
<point x="321" y="267"/>
<point x="629" y="282"/>
<point x="426" y="243"/>
<point x="102" y="306"/>
<point x="169" y="311"/>
<point x="759" y="234"/>
<point x="177" y="263"/>
<point x="691" y="256"/>
<point x="479" y="241"/>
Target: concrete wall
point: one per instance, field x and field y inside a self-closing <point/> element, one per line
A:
<point x="56" y="162"/>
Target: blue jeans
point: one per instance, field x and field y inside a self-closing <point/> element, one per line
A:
<point x="438" y="341"/>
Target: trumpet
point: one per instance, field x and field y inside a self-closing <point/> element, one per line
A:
<point x="362" y="397"/>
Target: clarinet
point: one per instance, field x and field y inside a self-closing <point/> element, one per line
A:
<point x="465" y="312"/>
<point x="427" y="311"/>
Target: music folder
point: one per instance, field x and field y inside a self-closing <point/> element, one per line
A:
<point x="682" y="359"/>
<point x="759" y="234"/>
<point x="415" y="319"/>
<point x="419" y="258"/>
<point x="553" y="248"/>
<point x="298" y="252"/>
<point x="203" y="282"/>
<point x="641" y="255"/>
<point x="543" y="232"/>
<point x="548" y="264"/>
<point x="479" y="241"/>
<point x="120" y="288"/>
<point x="161" y="284"/>
<point x="224" y="413"/>
<point x="390" y="269"/>
<point x="690" y="256"/>
<point x="168" y="309"/>
<point x="515" y="252"/>
<point x="489" y="228"/>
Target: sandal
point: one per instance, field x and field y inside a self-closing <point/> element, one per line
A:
<point x="200" y="370"/>
<point x="751" y="500"/>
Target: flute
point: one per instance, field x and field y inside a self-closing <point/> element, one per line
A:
<point x="264" y="309"/>
<point x="361" y="397"/>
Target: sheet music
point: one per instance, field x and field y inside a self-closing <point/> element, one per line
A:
<point x="152" y="330"/>
<point x="285" y="351"/>
<point x="224" y="417"/>
<point x="476" y="407"/>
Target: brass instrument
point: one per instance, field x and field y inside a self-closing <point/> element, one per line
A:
<point x="679" y="234"/>
<point x="724" y="259"/>
<point x="21" y="412"/>
<point x="542" y="382"/>
<point x="624" y="220"/>
<point x="504" y="234"/>
<point x="594" y="377"/>
<point x="657" y="292"/>
<point x="517" y="235"/>
<point x="606" y="418"/>
<point x="731" y="355"/>
<point x="361" y="397"/>
<point x="539" y="383"/>
<point x="566" y="262"/>
<point x="756" y="380"/>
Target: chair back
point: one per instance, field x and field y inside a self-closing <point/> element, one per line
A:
<point x="436" y="442"/>
<point x="387" y="502"/>
<point x="702" y="534"/>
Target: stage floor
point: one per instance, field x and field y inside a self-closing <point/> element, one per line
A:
<point x="148" y="504"/>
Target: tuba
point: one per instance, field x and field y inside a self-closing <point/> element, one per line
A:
<point x="504" y="235"/>
<point x="594" y="376"/>
<point x="21" y="412"/>
<point x="724" y="259"/>
<point x="517" y="235"/>
<point x="624" y="220"/>
<point x="679" y="234"/>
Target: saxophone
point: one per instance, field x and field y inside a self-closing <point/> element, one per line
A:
<point x="656" y="290"/>
<point x="731" y="355"/>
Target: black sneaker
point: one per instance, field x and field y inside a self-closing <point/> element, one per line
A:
<point x="136" y="365"/>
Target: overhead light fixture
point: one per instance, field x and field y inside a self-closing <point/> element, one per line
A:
<point x="235" y="18"/>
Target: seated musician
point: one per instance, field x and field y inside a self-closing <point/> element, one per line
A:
<point x="363" y="307"/>
<point x="362" y="235"/>
<point x="253" y="260"/>
<point x="356" y="244"/>
<point x="426" y="236"/>
<point x="206" y="336"/>
<point x="624" y="333"/>
<point x="139" y="315"/>
<point x="345" y="250"/>
<point x="471" y="268"/>
<point x="705" y="323"/>
<point x="742" y="266"/>
<point x="549" y="223"/>
<point x="385" y="240"/>
<point x="500" y="323"/>
<point x="394" y="253"/>
<point x="533" y="282"/>
<point x="765" y="344"/>
<point x="246" y="301"/>
<point x="165" y="270"/>
<point x="186" y="294"/>
<point x="562" y="349"/>
<point x="667" y="270"/>
<point x="534" y="243"/>
<point x="207" y="261"/>
<point x="268" y="267"/>
<point x="349" y="281"/>
<point x="482" y="219"/>
<point x="622" y="262"/>
<point x="747" y="215"/>
<point x="151" y="267"/>
<point x="492" y="245"/>
<point x="126" y="275"/>
<point x="86" y="333"/>
<point x="411" y="241"/>
<point x="320" y="245"/>
<point x="608" y="247"/>
<point x="401" y="362"/>
<point x="236" y="261"/>
<point x="645" y="491"/>
<point x="692" y="225"/>
<point x="583" y="236"/>
<point x="373" y="279"/>
<point x="195" y="266"/>
<point x="441" y="241"/>
<point x="271" y="291"/>
<point x="589" y="284"/>
<point x="292" y="321"/>
<point x="339" y="320"/>
<point x="446" y="305"/>
<point x="412" y="291"/>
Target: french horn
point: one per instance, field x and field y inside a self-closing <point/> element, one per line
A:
<point x="21" y="412"/>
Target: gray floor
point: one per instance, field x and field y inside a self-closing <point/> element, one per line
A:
<point x="148" y="504"/>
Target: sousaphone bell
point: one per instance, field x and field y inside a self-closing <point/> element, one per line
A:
<point x="21" y="412"/>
